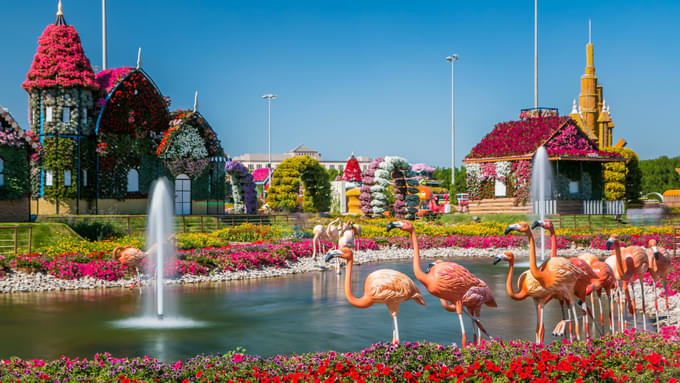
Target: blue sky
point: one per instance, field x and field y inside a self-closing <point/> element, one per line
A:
<point x="370" y="77"/>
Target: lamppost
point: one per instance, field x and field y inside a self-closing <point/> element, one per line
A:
<point x="452" y="59"/>
<point x="269" y="97"/>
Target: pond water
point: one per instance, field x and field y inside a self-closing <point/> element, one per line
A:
<point x="301" y="313"/>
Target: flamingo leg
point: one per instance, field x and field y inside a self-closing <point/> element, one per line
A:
<point x="586" y="324"/>
<point x="618" y="301"/>
<point x="656" y="306"/>
<point x="599" y="301"/>
<point x="139" y="278"/>
<point x="542" y="329"/>
<point x="571" y="334"/>
<point x="631" y="299"/>
<point x="578" y="332"/>
<point x="612" y="325"/>
<point x="539" y="323"/>
<point x="644" y="308"/>
<point x="314" y="241"/>
<point x="459" y="310"/>
<point x="665" y="291"/>
<point x="395" y="332"/>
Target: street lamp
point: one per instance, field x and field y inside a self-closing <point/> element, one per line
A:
<point x="452" y="59"/>
<point x="269" y="97"/>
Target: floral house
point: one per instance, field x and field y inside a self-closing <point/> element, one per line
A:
<point x="104" y="138"/>
<point x="16" y="147"/>
<point x="498" y="169"/>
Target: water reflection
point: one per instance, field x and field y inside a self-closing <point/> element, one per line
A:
<point x="301" y="313"/>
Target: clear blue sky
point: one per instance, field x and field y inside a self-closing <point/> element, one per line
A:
<point x="370" y="77"/>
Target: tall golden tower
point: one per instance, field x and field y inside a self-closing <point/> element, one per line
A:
<point x="594" y="114"/>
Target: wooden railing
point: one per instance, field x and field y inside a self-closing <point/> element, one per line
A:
<point x="12" y="240"/>
<point x="184" y="223"/>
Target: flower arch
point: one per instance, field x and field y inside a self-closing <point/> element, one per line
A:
<point x="243" y="187"/>
<point x="131" y="116"/>
<point x="384" y="172"/>
<point x="295" y="173"/>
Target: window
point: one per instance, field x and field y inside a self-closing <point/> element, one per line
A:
<point x="133" y="181"/>
<point x="259" y="166"/>
<point x="49" y="178"/>
<point x="67" y="178"/>
<point x="2" y="172"/>
<point x="250" y="167"/>
<point x="573" y="187"/>
<point x="84" y="181"/>
<point x="85" y="116"/>
<point x="48" y="114"/>
<point x="66" y="114"/>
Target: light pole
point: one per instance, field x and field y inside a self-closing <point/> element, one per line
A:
<point x="452" y="59"/>
<point x="269" y="97"/>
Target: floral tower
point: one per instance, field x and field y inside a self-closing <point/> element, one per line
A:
<point x="61" y="87"/>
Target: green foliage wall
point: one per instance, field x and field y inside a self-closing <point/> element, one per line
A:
<point x="60" y="154"/>
<point x="211" y="184"/>
<point x="622" y="180"/>
<point x="659" y="175"/>
<point x="15" y="172"/>
<point x="290" y="175"/>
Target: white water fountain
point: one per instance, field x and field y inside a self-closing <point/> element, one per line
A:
<point x="541" y="188"/>
<point x="160" y="247"/>
<point x="159" y="230"/>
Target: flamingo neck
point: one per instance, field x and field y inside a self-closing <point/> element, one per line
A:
<point x="362" y="302"/>
<point x="535" y="271"/>
<point x="417" y="270"/>
<point x="518" y="296"/>
<point x="553" y="243"/>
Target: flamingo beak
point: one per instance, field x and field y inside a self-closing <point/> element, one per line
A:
<point x="429" y="266"/>
<point x="394" y="225"/>
<point x="511" y="228"/>
<point x="610" y="242"/>
<point x="657" y="253"/>
<point x="332" y="255"/>
<point x="499" y="258"/>
<point x="536" y="224"/>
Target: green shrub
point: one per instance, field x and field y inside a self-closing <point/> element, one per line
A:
<point x="97" y="229"/>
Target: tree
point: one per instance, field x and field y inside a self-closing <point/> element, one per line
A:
<point x="444" y="176"/>
<point x="294" y="173"/>
<point x="352" y="170"/>
<point x="332" y="174"/>
<point x="659" y="175"/>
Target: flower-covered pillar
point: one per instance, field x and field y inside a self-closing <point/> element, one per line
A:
<point x="243" y="187"/>
<point x="61" y="85"/>
<point x="368" y="181"/>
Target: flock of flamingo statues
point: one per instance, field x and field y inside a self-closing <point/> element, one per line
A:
<point x="567" y="280"/>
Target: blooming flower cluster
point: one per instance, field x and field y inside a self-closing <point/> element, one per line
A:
<point x="627" y="357"/>
<point x="571" y="142"/>
<point x="243" y="187"/>
<point x="60" y="61"/>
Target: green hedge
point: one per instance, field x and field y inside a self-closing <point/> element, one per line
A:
<point x="15" y="172"/>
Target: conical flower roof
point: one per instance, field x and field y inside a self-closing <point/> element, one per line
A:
<point x="60" y="61"/>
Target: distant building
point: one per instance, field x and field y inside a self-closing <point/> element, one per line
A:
<point x="254" y="161"/>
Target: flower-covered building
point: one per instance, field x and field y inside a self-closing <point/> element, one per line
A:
<point x="498" y="169"/>
<point x="16" y="146"/>
<point x="105" y="138"/>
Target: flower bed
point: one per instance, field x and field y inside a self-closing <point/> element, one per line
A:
<point x="632" y="356"/>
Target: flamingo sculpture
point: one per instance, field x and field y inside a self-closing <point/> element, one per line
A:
<point x="528" y="287"/>
<point x="605" y="282"/>
<point x="386" y="286"/>
<point x="583" y="281"/>
<point x="557" y="274"/>
<point x="445" y="280"/>
<point x="623" y="272"/>
<point x="131" y="257"/>
<point x="659" y="268"/>
<point x="641" y="265"/>
<point x="329" y="233"/>
<point x="472" y="301"/>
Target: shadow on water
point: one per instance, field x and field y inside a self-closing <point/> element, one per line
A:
<point x="301" y="313"/>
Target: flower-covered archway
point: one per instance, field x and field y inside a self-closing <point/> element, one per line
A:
<point x="386" y="173"/>
<point x="290" y="176"/>
<point x="132" y="114"/>
<point x="243" y="188"/>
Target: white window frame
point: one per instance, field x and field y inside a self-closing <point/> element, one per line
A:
<point x="132" y="181"/>
<point x="67" y="177"/>
<point x="49" y="177"/>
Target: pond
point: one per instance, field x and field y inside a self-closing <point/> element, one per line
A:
<point x="297" y="314"/>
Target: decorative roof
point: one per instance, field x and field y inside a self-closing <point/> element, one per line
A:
<point x="132" y="105"/>
<point x="109" y="78"/>
<point x="302" y="149"/>
<point x="60" y="61"/>
<point x="12" y="135"/>
<point x="195" y="119"/>
<point x="260" y="175"/>
<point x="561" y="137"/>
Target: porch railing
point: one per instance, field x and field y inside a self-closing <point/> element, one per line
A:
<point x="591" y="207"/>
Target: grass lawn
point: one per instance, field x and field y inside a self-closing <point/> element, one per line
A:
<point x="42" y="234"/>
